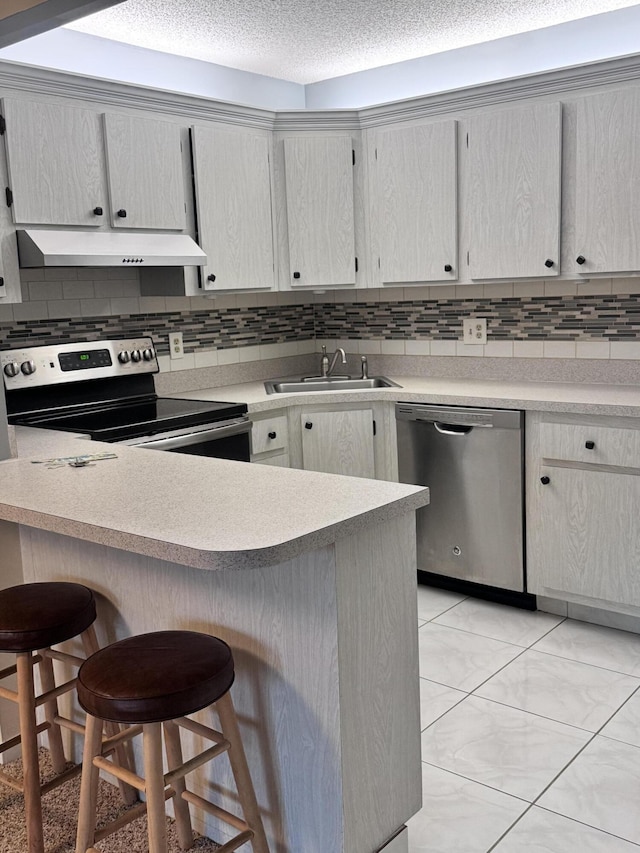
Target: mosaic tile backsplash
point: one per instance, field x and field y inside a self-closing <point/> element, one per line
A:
<point x="595" y="318"/>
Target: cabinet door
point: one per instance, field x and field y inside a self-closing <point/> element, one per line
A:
<point x="55" y="164"/>
<point x="338" y="442"/>
<point x="319" y="194"/>
<point x="608" y="182"/>
<point x="416" y="191"/>
<point x="144" y="164"/>
<point x="233" y="198"/>
<point x="514" y="193"/>
<point x="583" y="537"/>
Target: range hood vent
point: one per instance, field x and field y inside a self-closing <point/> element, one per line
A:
<point x="39" y="248"/>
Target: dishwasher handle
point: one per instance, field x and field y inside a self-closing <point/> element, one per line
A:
<point x="451" y="429"/>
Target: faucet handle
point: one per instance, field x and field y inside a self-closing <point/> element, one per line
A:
<point x="365" y="367"/>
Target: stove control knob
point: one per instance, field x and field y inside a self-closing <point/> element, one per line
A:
<point x="124" y="357"/>
<point x="136" y="355"/>
<point x="148" y="354"/>
<point x="28" y="367"/>
<point x="12" y="368"/>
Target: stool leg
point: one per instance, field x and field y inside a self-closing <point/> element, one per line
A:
<point x="240" y="769"/>
<point x="89" y="785"/>
<point x="54" y="734"/>
<point x="123" y="754"/>
<point x="29" y="739"/>
<point x="154" y="787"/>
<point x="173" y="749"/>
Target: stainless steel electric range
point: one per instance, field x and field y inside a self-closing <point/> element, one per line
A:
<point x="106" y="389"/>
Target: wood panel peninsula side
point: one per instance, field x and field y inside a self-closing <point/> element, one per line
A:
<point x="311" y="578"/>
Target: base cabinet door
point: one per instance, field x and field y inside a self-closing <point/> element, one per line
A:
<point x="587" y="541"/>
<point x="339" y="442"/>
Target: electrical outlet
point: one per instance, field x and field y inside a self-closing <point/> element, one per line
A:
<point x="474" y="330"/>
<point x="176" y="349"/>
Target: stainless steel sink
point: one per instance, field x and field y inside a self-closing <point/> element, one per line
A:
<point x="318" y="383"/>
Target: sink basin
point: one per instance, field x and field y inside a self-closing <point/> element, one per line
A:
<point x="295" y="386"/>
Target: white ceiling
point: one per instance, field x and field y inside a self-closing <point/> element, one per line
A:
<point x="305" y="41"/>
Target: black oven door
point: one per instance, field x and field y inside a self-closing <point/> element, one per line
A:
<point x="225" y="440"/>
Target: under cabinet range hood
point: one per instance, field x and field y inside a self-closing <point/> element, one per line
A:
<point x="45" y="248"/>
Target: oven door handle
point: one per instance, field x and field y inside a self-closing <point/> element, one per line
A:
<point x="184" y="440"/>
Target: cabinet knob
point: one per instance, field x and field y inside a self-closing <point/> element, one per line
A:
<point x="272" y="434"/>
<point x="98" y="211"/>
<point x="580" y="259"/>
<point x="448" y="267"/>
<point x="548" y="263"/>
<point x="122" y="213"/>
<point x="308" y="425"/>
<point x="590" y="445"/>
<point x="211" y="277"/>
<point x="545" y="480"/>
<point x="296" y="275"/>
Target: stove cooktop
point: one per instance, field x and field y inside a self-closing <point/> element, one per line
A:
<point x="135" y="418"/>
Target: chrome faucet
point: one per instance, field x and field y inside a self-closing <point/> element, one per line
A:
<point x="326" y="366"/>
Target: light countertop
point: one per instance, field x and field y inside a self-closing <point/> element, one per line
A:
<point x="205" y="513"/>
<point x="594" y="398"/>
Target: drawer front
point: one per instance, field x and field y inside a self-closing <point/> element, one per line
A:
<point x="270" y="434"/>
<point x="597" y="445"/>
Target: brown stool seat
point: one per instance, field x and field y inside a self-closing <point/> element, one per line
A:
<point x="38" y="615"/>
<point x="155" y="677"/>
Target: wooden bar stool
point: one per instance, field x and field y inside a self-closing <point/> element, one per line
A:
<point x="152" y="682"/>
<point x="34" y="617"/>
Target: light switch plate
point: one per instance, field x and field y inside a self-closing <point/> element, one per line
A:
<point x="474" y="330"/>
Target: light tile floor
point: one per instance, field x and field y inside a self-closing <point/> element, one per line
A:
<point x="531" y="731"/>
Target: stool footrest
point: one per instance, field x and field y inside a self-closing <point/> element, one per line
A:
<point x="66" y="723"/>
<point x="57" y="691"/>
<point x="110" y="743"/>
<point x="65" y="657"/>
<point x="125" y="818"/>
<point x="63" y="777"/>
<point x="200" y="729"/>
<point x="236" y="842"/>
<point x="17" y="740"/>
<point x="195" y="762"/>
<point x="216" y="811"/>
<point x="121" y="773"/>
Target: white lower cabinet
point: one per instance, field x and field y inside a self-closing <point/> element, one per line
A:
<point x="270" y="439"/>
<point x="583" y="497"/>
<point x="339" y="442"/>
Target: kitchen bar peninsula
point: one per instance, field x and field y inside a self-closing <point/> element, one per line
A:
<point x="309" y="577"/>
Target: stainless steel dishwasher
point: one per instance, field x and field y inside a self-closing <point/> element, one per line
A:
<point x="472" y="461"/>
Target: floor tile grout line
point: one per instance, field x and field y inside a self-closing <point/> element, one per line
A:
<point x="507" y="831"/>
<point x="534" y="714"/>
<point x="597" y="666"/>
<point x="584" y="823"/>
<point x="482" y="784"/>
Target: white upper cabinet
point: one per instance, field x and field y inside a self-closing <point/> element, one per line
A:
<point x="415" y="203"/>
<point x="233" y="201"/>
<point x="55" y="164"/>
<point x="608" y="183"/>
<point x="513" y="197"/>
<point x="144" y="165"/>
<point x="320" y="210"/>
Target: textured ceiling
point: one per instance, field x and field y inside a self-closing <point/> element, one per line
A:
<point x="305" y="41"/>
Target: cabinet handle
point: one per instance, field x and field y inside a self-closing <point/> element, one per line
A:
<point x="448" y="267"/>
<point x="580" y="259"/>
<point x="98" y="211"/>
<point x="548" y="263"/>
<point x="122" y="213"/>
<point x="589" y="445"/>
<point x="211" y="277"/>
<point x="272" y="435"/>
<point x="308" y="425"/>
<point x="545" y="480"/>
<point x="296" y="275"/>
